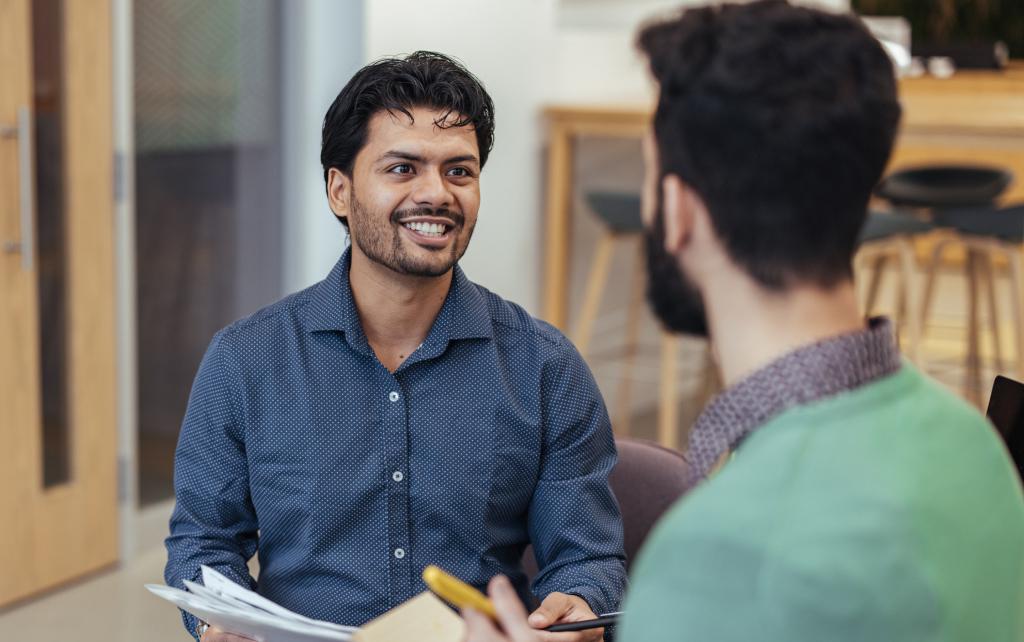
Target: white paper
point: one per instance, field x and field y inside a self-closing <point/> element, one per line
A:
<point x="234" y="609"/>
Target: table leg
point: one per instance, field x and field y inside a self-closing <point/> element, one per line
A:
<point x="557" y="250"/>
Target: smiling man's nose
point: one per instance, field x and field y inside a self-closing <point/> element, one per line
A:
<point x="431" y="190"/>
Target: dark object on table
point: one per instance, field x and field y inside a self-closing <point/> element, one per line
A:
<point x="967" y="55"/>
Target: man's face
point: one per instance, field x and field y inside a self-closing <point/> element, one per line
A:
<point x="415" y="193"/>
<point x="673" y="296"/>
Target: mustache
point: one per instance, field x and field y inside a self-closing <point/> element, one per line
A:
<point x="457" y="218"/>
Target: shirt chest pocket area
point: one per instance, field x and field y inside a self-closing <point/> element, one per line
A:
<point x="281" y="471"/>
<point x="494" y="465"/>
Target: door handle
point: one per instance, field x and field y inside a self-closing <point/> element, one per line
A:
<point x="26" y="187"/>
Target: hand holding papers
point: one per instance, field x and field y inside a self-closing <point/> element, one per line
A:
<point x="232" y="608"/>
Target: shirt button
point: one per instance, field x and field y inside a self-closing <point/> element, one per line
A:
<point x="399" y="553"/>
<point x="397" y="476"/>
<point x="393" y="396"/>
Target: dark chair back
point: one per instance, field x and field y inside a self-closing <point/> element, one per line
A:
<point x="647" y="480"/>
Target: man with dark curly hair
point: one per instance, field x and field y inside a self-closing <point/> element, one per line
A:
<point x="396" y="414"/>
<point x="841" y="495"/>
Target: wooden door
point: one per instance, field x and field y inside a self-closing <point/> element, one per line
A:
<point x="58" y="424"/>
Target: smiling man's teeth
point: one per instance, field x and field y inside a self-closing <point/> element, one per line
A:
<point x="427" y="229"/>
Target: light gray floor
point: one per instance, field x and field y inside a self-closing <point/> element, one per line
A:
<point x="111" y="606"/>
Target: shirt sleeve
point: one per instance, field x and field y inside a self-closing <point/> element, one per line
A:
<point x="574" y="521"/>
<point x="214" y="522"/>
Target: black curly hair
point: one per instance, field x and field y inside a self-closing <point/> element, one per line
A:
<point x="782" y="119"/>
<point x="421" y="79"/>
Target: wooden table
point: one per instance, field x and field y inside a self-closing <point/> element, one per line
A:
<point x="976" y="116"/>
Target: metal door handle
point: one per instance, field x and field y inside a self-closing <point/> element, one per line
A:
<point x="26" y="187"/>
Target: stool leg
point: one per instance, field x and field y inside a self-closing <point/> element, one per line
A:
<point x="911" y="317"/>
<point x="668" y="427"/>
<point x="989" y="274"/>
<point x="1017" y="303"/>
<point x="877" y="269"/>
<point x="972" y="366"/>
<point x="596" y="282"/>
<point x="929" y="283"/>
<point x="623" y="407"/>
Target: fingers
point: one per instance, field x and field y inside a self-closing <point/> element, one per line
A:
<point x="555" y="607"/>
<point x="559" y="607"/>
<point x="511" y="613"/>
<point x="216" y="635"/>
<point x="480" y="628"/>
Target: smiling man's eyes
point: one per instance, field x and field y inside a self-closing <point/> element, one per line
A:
<point x="406" y="168"/>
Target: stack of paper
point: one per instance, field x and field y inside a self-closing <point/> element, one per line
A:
<point x="229" y="607"/>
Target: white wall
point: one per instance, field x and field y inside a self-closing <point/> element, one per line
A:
<point x="528" y="53"/>
<point x="323" y="47"/>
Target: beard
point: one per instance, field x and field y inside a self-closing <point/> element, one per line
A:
<point x="382" y="243"/>
<point x="673" y="297"/>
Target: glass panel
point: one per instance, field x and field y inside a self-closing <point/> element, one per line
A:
<point x="208" y="200"/>
<point x="48" y="99"/>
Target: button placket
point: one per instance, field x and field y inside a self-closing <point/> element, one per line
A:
<point x="396" y="460"/>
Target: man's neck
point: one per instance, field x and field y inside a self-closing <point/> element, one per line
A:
<point x="396" y="310"/>
<point x="750" y="329"/>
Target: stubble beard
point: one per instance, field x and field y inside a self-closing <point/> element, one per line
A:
<point x="383" y="245"/>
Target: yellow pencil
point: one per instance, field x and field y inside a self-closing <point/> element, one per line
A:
<point x="456" y="592"/>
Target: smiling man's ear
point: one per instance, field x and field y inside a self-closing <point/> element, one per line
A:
<point x="339" y="192"/>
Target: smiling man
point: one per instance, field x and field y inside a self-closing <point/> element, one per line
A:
<point x="395" y="414"/>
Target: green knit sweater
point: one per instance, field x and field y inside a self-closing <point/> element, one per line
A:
<point x="891" y="512"/>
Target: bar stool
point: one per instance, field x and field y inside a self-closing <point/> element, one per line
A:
<point x="989" y="232"/>
<point x="886" y="237"/>
<point x="619" y="214"/>
<point x="972" y="190"/>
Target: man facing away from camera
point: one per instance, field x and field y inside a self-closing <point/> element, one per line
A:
<point x="396" y="414"/>
<point x="843" y="495"/>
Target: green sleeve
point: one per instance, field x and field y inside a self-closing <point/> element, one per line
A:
<point x="708" y="585"/>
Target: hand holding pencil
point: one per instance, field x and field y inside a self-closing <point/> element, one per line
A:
<point x="573" y="620"/>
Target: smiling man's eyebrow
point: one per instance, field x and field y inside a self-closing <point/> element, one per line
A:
<point x="465" y="158"/>
<point x="395" y="154"/>
<point x="400" y="155"/>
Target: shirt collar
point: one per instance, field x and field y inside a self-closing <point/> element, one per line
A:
<point x="464" y="315"/>
<point x="803" y="376"/>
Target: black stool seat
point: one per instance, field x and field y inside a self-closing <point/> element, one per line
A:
<point x="1006" y="223"/>
<point x="941" y="186"/>
<point x="883" y="225"/>
<point x="619" y="211"/>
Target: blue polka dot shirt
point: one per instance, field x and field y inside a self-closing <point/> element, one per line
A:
<point x="349" y="479"/>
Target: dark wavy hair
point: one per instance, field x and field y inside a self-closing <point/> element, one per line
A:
<point x="782" y="119"/>
<point x="421" y="79"/>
